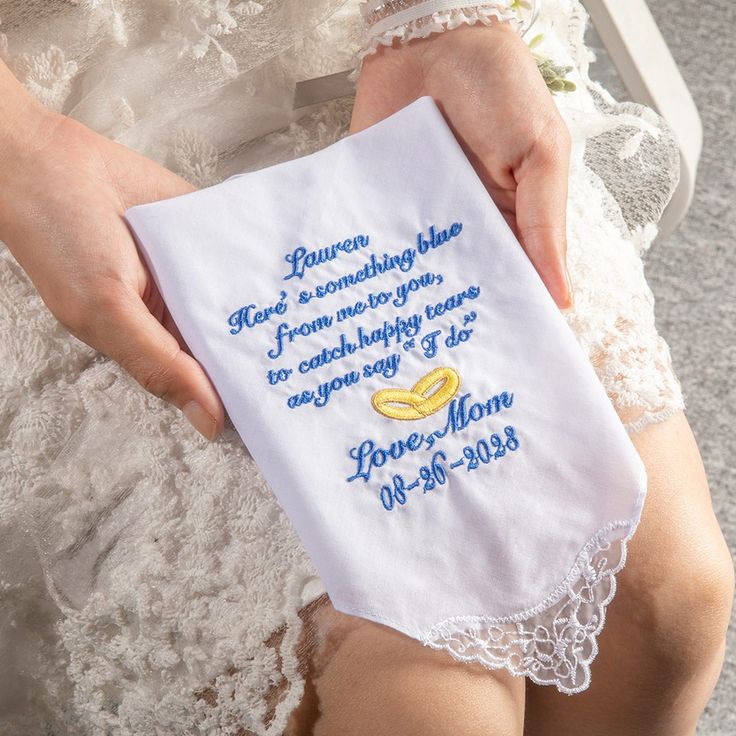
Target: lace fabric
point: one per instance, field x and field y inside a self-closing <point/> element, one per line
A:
<point x="404" y="20"/>
<point x="149" y="580"/>
<point x="554" y="643"/>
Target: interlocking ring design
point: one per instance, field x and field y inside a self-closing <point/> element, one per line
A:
<point x="427" y="396"/>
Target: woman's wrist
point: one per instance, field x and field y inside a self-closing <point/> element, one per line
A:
<point x="406" y="62"/>
<point x="24" y="124"/>
<point x="25" y="128"/>
<point x="388" y="21"/>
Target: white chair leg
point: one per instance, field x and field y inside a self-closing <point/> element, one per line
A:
<point x="645" y="64"/>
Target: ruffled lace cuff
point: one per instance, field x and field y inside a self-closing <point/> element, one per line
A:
<point x="384" y="21"/>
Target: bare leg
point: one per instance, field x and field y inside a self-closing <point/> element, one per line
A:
<point x="662" y="648"/>
<point x="369" y="680"/>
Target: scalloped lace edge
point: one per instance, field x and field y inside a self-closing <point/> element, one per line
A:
<point x="554" y="643"/>
<point x="437" y="22"/>
<point x="654" y="417"/>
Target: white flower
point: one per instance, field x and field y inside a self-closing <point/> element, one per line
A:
<point x="47" y="75"/>
<point x="194" y="158"/>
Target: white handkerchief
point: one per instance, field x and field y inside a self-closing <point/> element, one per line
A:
<point x="415" y="399"/>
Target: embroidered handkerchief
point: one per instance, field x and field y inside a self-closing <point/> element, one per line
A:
<point x="415" y="399"/>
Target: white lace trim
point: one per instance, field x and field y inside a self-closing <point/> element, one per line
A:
<point x="554" y="643"/>
<point x="442" y="20"/>
<point x="655" y="417"/>
<point x="436" y="22"/>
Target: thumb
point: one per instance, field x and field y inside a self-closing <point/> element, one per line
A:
<point x="541" y="200"/>
<point x="154" y="357"/>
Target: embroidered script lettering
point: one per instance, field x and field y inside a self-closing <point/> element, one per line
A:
<point x="301" y="259"/>
<point x="369" y="455"/>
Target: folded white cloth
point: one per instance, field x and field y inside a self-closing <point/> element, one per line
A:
<point x="410" y="391"/>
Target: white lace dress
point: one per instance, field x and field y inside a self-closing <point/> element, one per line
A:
<point x="149" y="582"/>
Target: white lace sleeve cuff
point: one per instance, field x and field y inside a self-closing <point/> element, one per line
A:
<point x="386" y="20"/>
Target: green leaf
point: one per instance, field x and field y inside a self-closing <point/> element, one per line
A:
<point x="536" y="40"/>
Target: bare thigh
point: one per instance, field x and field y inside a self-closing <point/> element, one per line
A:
<point x="366" y="679"/>
<point x="662" y="648"/>
<point x="660" y="651"/>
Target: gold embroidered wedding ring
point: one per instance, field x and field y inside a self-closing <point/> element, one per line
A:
<point x="417" y="402"/>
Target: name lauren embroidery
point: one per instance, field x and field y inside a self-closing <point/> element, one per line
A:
<point x="302" y="259"/>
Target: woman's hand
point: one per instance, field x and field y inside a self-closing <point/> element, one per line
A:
<point x="486" y="82"/>
<point x="64" y="190"/>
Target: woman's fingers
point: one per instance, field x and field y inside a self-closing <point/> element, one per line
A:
<point x="541" y="201"/>
<point x="126" y="331"/>
<point x="62" y="216"/>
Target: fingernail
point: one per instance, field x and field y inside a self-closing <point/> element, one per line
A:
<point x="571" y="302"/>
<point x="201" y="420"/>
